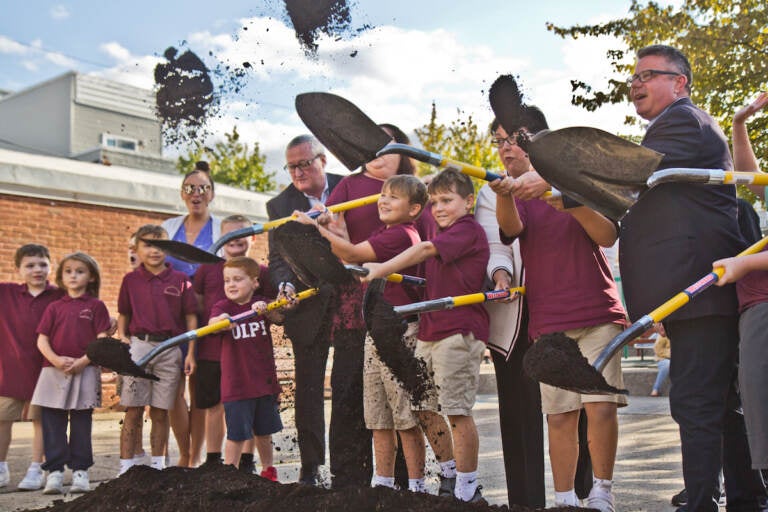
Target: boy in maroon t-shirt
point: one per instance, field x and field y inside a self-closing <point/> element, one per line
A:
<point x="451" y="342"/>
<point x="570" y="289"/>
<point x="208" y="284"/>
<point x="23" y="306"/>
<point x="386" y="403"/>
<point x="249" y="386"/>
<point x="155" y="303"/>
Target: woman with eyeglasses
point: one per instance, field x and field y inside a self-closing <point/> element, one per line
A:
<point x="200" y="228"/>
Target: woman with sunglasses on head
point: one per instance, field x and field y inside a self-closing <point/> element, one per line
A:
<point x="200" y="228"/>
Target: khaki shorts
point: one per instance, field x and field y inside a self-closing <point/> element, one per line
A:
<point x="455" y="363"/>
<point x="160" y="394"/>
<point x="13" y="409"/>
<point x="386" y="403"/>
<point x="591" y="340"/>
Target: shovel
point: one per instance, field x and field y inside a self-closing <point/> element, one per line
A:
<point x="392" y="278"/>
<point x="115" y="354"/>
<point x="191" y="254"/>
<point x="459" y="300"/>
<point x="608" y="173"/>
<point x="354" y="138"/>
<point x="542" y="368"/>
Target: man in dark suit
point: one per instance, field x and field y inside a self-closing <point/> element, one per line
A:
<point x="308" y="325"/>
<point x="668" y="240"/>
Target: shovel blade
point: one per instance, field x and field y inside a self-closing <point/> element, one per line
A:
<point x="115" y="355"/>
<point x="182" y="251"/>
<point x="555" y="359"/>
<point x="599" y="169"/>
<point x="352" y="137"/>
<point x="309" y="255"/>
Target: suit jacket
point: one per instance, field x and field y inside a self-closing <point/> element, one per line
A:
<point x="674" y="232"/>
<point x="302" y="323"/>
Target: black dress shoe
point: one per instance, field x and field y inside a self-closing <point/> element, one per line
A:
<point x="680" y="499"/>
<point x="309" y="475"/>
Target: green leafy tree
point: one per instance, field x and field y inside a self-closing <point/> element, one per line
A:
<point x="461" y="140"/>
<point x="726" y="42"/>
<point x="232" y="163"/>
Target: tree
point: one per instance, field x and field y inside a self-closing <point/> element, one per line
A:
<point x="231" y="163"/>
<point x="462" y="140"/>
<point x="726" y="42"/>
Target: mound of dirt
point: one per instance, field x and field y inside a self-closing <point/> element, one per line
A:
<point x="225" y="489"/>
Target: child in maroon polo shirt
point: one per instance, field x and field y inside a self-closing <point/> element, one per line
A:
<point x="69" y="386"/>
<point x="386" y="403"/>
<point x="23" y="305"/>
<point x="208" y="284"/>
<point x="155" y="303"/>
<point x="249" y="385"/>
<point x="452" y="342"/>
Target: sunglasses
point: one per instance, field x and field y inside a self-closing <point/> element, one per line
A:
<point x="190" y="189"/>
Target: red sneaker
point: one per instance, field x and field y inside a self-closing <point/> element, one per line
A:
<point x="270" y="473"/>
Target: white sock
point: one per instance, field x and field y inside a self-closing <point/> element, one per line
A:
<point x="416" y="485"/>
<point x="384" y="481"/>
<point x="158" y="462"/>
<point x="448" y="468"/>
<point x="606" y="485"/>
<point x="567" y="498"/>
<point x="466" y="484"/>
<point x="125" y="465"/>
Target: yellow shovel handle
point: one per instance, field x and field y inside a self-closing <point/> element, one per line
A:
<point x="346" y="205"/>
<point x="746" y="178"/>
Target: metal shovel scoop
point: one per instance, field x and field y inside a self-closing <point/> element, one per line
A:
<point x="116" y="356"/>
<point x="192" y="254"/>
<point x="546" y="363"/>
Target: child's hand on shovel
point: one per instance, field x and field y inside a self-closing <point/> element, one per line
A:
<point x="375" y="271"/>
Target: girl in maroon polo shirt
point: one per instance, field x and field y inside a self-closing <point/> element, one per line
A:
<point x="69" y="386"/>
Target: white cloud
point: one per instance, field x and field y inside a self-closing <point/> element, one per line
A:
<point x="59" y="12"/>
<point x="9" y="46"/>
<point x="60" y="60"/>
<point x="129" y="69"/>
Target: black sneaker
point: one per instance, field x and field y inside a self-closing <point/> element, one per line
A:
<point x="309" y="475"/>
<point x="478" y="496"/>
<point x="680" y="499"/>
<point x="447" y="485"/>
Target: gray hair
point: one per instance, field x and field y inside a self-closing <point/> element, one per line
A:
<point x="314" y="144"/>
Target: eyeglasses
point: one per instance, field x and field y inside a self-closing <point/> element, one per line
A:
<point x="301" y="164"/>
<point x="190" y="189"/>
<point x="500" y="142"/>
<point x="648" y="74"/>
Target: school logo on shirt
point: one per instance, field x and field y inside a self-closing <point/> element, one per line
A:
<point x="249" y="330"/>
<point x="86" y="314"/>
<point x="172" y="290"/>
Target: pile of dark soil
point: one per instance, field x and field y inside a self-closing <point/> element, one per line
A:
<point x="225" y="489"/>
<point x="114" y="354"/>
<point x="555" y="359"/>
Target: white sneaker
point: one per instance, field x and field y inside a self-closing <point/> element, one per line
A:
<point x="5" y="477"/>
<point x="80" y="482"/>
<point x="33" y="480"/>
<point x="55" y="483"/>
<point x="600" y="499"/>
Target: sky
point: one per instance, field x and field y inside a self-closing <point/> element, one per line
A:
<point x="418" y="52"/>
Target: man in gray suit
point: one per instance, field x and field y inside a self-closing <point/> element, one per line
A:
<point x="308" y="325"/>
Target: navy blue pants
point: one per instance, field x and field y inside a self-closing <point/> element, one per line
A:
<point x="705" y="404"/>
<point x="77" y="452"/>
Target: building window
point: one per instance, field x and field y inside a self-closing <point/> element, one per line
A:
<point x="111" y="141"/>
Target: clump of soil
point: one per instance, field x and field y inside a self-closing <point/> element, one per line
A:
<point x="115" y="355"/>
<point x="224" y="489"/>
<point x="312" y="17"/>
<point x="309" y="255"/>
<point x="555" y="359"/>
<point x="387" y="328"/>
<point x="509" y="108"/>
